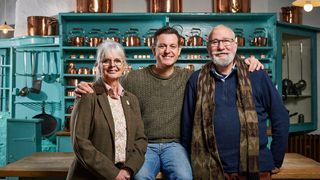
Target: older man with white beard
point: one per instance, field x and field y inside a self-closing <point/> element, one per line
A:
<point x="225" y="113"/>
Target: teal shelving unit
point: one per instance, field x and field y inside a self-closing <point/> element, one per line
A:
<point x="297" y="61"/>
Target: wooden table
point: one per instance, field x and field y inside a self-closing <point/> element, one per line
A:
<point x="296" y="166"/>
<point x="56" y="164"/>
<point x="41" y="164"/>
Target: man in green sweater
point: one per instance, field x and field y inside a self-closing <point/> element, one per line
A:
<point x="160" y="90"/>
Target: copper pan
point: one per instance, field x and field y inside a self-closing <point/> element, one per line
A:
<point x="42" y="25"/>
<point x="157" y="6"/>
<point x="94" y="6"/>
<point x="231" y="6"/>
<point x="291" y="14"/>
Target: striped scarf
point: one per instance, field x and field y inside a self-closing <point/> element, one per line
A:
<point x="205" y="159"/>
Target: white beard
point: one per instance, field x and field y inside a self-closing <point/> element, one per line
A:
<point x="223" y="62"/>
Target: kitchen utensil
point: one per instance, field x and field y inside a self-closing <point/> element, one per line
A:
<point x="221" y="6"/>
<point x="301" y="118"/>
<point x="36" y="84"/>
<point x="1" y="78"/>
<point x="235" y="6"/>
<point x="25" y="90"/>
<point x="157" y="6"/>
<point x="287" y="84"/>
<point x="49" y="125"/>
<point x="301" y="84"/>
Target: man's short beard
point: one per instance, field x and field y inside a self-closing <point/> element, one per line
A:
<point x="223" y="62"/>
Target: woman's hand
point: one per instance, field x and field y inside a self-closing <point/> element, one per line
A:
<point x="83" y="88"/>
<point x="123" y="175"/>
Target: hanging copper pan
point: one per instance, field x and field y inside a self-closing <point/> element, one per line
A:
<point x="157" y="6"/>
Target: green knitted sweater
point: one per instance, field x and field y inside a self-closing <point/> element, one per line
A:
<point x="160" y="101"/>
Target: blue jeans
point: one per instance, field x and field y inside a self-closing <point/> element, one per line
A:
<point x="171" y="158"/>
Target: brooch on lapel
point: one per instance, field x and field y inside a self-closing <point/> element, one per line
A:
<point x="128" y="103"/>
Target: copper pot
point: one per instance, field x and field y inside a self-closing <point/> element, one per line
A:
<point x="42" y="25"/>
<point x="73" y="82"/>
<point x="100" y="6"/>
<point x="70" y="92"/>
<point x="231" y="6"/>
<point x="291" y="14"/>
<point x="157" y="6"/>
<point x="84" y="70"/>
<point x="82" y="6"/>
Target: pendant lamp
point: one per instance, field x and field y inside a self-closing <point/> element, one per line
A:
<point x="5" y="27"/>
<point x="307" y="4"/>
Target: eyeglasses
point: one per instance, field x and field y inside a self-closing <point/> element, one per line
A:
<point x="107" y="62"/>
<point x="225" y="42"/>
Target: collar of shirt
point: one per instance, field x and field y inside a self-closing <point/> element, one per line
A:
<point x="112" y="94"/>
<point x="223" y="77"/>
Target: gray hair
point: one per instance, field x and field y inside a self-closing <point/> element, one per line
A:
<point x="221" y="26"/>
<point x="104" y="49"/>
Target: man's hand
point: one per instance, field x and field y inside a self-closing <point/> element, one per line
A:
<point x="254" y="64"/>
<point x="123" y="175"/>
<point x="83" y="88"/>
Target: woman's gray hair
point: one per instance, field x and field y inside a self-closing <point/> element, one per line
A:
<point x="104" y="49"/>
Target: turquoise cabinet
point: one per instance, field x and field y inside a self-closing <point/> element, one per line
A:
<point x="23" y="138"/>
<point x="297" y="67"/>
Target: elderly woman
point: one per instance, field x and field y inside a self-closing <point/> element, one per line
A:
<point x="107" y="130"/>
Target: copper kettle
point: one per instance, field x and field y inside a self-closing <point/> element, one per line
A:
<point x="179" y="28"/>
<point x="158" y="6"/>
<point x="71" y="68"/>
<point x="112" y="34"/>
<point x="149" y="37"/>
<point x="195" y="39"/>
<point x="239" y="37"/>
<point x="131" y="37"/>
